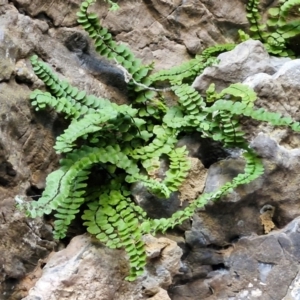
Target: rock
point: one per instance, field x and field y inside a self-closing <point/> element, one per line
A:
<point x="23" y="242"/>
<point x="160" y="29"/>
<point x="60" y="13"/>
<point x="222" y="241"/>
<point x="194" y="183"/>
<point x="71" y="273"/>
<point x="233" y="216"/>
<point x="249" y="269"/>
<point x="244" y="60"/>
<point x="223" y="234"/>
<point x="8" y="52"/>
<point x="276" y="93"/>
<point x="294" y="289"/>
<point x="26" y="157"/>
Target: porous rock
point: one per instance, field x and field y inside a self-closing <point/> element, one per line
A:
<point x="168" y="31"/>
<point x="254" y="267"/>
<point x="244" y="60"/>
<point x="277" y="93"/>
<point x="71" y="272"/>
<point x="230" y="254"/>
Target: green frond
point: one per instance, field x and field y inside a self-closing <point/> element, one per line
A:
<point x="65" y="98"/>
<point x="215" y="50"/>
<point x="279" y="27"/>
<point x="106" y="46"/>
<point x="179" y="167"/>
<point x="121" y="139"/>
<point x="189" y="99"/>
<point x="114" y="219"/>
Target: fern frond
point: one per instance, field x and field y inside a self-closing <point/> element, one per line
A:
<point x="106" y="46"/>
<point x="189" y="99"/>
<point x="185" y="72"/>
<point x="253" y="169"/>
<point x="238" y="91"/>
<point x="178" y="168"/>
<point x="286" y="7"/>
<point x="277" y="30"/>
<point x="237" y="108"/>
<point x="253" y="16"/>
<point x="215" y="50"/>
<point x="114" y="219"/>
<point x="66" y="208"/>
<point x="69" y="98"/>
<point x="43" y="205"/>
<point x="103" y="123"/>
<point x="162" y="144"/>
<point x="40" y="100"/>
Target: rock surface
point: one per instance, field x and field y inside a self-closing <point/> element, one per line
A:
<point x="71" y="272"/>
<point x="231" y="251"/>
<point x="244" y="60"/>
<point x="242" y="247"/>
<point x="254" y="267"/>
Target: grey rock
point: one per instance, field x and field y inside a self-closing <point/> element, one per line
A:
<point x="278" y="62"/>
<point x="249" y="269"/>
<point x="8" y="52"/>
<point x="276" y="93"/>
<point x="71" y="273"/>
<point x="244" y="60"/>
<point x="230" y="236"/>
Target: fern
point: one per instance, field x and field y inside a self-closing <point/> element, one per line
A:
<point x="253" y="169"/>
<point x="106" y="46"/>
<point x="179" y="167"/>
<point x="65" y="98"/>
<point x="114" y="219"/>
<point x="277" y="31"/>
<point x="128" y="142"/>
<point x="187" y="71"/>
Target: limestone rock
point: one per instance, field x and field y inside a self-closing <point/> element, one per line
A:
<point x="71" y="272"/>
<point x="193" y="185"/>
<point x="23" y="242"/>
<point x="230" y="252"/>
<point x="277" y="93"/>
<point x="60" y="13"/>
<point x="249" y="269"/>
<point x="167" y="31"/>
<point x="244" y="60"/>
<point x="26" y="157"/>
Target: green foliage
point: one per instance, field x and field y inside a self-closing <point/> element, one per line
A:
<point x="63" y="97"/>
<point x="127" y="142"/>
<point x="278" y="29"/>
<point x="114" y="219"/>
<point x="106" y="46"/>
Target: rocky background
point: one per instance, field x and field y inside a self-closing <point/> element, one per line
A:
<point x="246" y="246"/>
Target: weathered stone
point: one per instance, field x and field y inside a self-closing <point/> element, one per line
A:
<point x="71" y="272"/>
<point x="276" y="93"/>
<point x="244" y="60"/>
<point x="59" y="12"/>
<point x="233" y="216"/>
<point x="26" y="157"/>
<point x="23" y="242"/>
<point x="250" y="269"/>
<point x="234" y="223"/>
<point x="193" y="185"/>
<point x="293" y="291"/>
<point x="8" y="53"/>
<point x="167" y="31"/>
